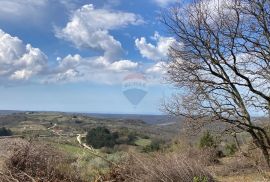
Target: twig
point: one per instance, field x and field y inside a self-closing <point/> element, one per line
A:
<point x="30" y="177"/>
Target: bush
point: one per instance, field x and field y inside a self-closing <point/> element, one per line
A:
<point x="154" y="146"/>
<point x="230" y="149"/>
<point x="207" y="140"/>
<point x="206" y="156"/>
<point x="78" y="121"/>
<point x="5" y="132"/>
<point x="38" y="162"/>
<point x="158" y="168"/>
<point x="101" y="137"/>
<point x="131" y="139"/>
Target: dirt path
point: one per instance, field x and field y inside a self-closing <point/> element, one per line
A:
<point x="54" y="131"/>
<point x="84" y="145"/>
<point x="92" y="150"/>
<point x="79" y="139"/>
<point x="50" y="128"/>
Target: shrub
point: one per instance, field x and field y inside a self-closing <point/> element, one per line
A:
<point x="78" y="121"/>
<point x="144" y="136"/>
<point x="200" y="179"/>
<point x="127" y="139"/>
<point x="158" y="168"/>
<point x="154" y="146"/>
<point x="206" y="156"/>
<point x="101" y="137"/>
<point x="230" y="149"/>
<point x="5" y="132"/>
<point x="131" y="139"/>
<point x="207" y="140"/>
<point x="38" y="162"/>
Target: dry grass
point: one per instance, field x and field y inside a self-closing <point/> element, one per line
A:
<point x="158" y="168"/>
<point x="252" y="177"/>
<point x="206" y="156"/>
<point x="248" y="168"/>
<point x="231" y="166"/>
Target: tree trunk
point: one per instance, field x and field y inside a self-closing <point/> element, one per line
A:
<point x="266" y="155"/>
<point x="236" y="141"/>
<point x="260" y="142"/>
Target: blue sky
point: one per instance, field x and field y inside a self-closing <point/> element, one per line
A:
<point x="74" y="55"/>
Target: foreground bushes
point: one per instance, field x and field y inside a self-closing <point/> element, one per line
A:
<point x="41" y="163"/>
<point x="158" y="168"/>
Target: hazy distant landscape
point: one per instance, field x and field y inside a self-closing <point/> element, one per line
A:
<point x="61" y="130"/>
<point x="136" y="134"/>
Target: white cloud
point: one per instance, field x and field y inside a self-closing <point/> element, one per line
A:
<point x="123" y="65"/>
<point x="89" y="28"/>
<point x="157" y="69"/>
<point x="69" y="61"/>
<point x="164" y="3"/>
<point x="19" y="61"/>
<point x="155" y="52"/>
<point x="18" y="9"/>
<point x="21" y="75"/>
<point x="94" y="69"/>
<point x="68" y="75"/>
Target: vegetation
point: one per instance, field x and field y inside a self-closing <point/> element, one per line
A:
<point x="5" y="132"/>
<point x="207" y="140"/>
<point x="158" y="168"/>
<point x="155" y="145"/>
<point x="230" y="149"/>
<point x="35" y="162"/>
<point x="134" y="156"/>
<point x="101" y="137"/>
<point x="221" y="59"/>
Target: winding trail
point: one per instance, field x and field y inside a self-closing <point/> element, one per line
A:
<point x="79" y="139"/>
<point x="52" y="129"/>
<point x="90" y="149"/>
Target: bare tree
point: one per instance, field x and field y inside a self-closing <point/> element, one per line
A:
<point x="222" y="63"/>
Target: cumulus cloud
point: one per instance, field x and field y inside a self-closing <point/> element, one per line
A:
<point x="123" y="65"/>
<point x="155" y="52"/>
<point x="164" y="3"/>
<point x="89" y="28"/>
<point x="19" y="61"/>
<point x="75" y="68"/>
